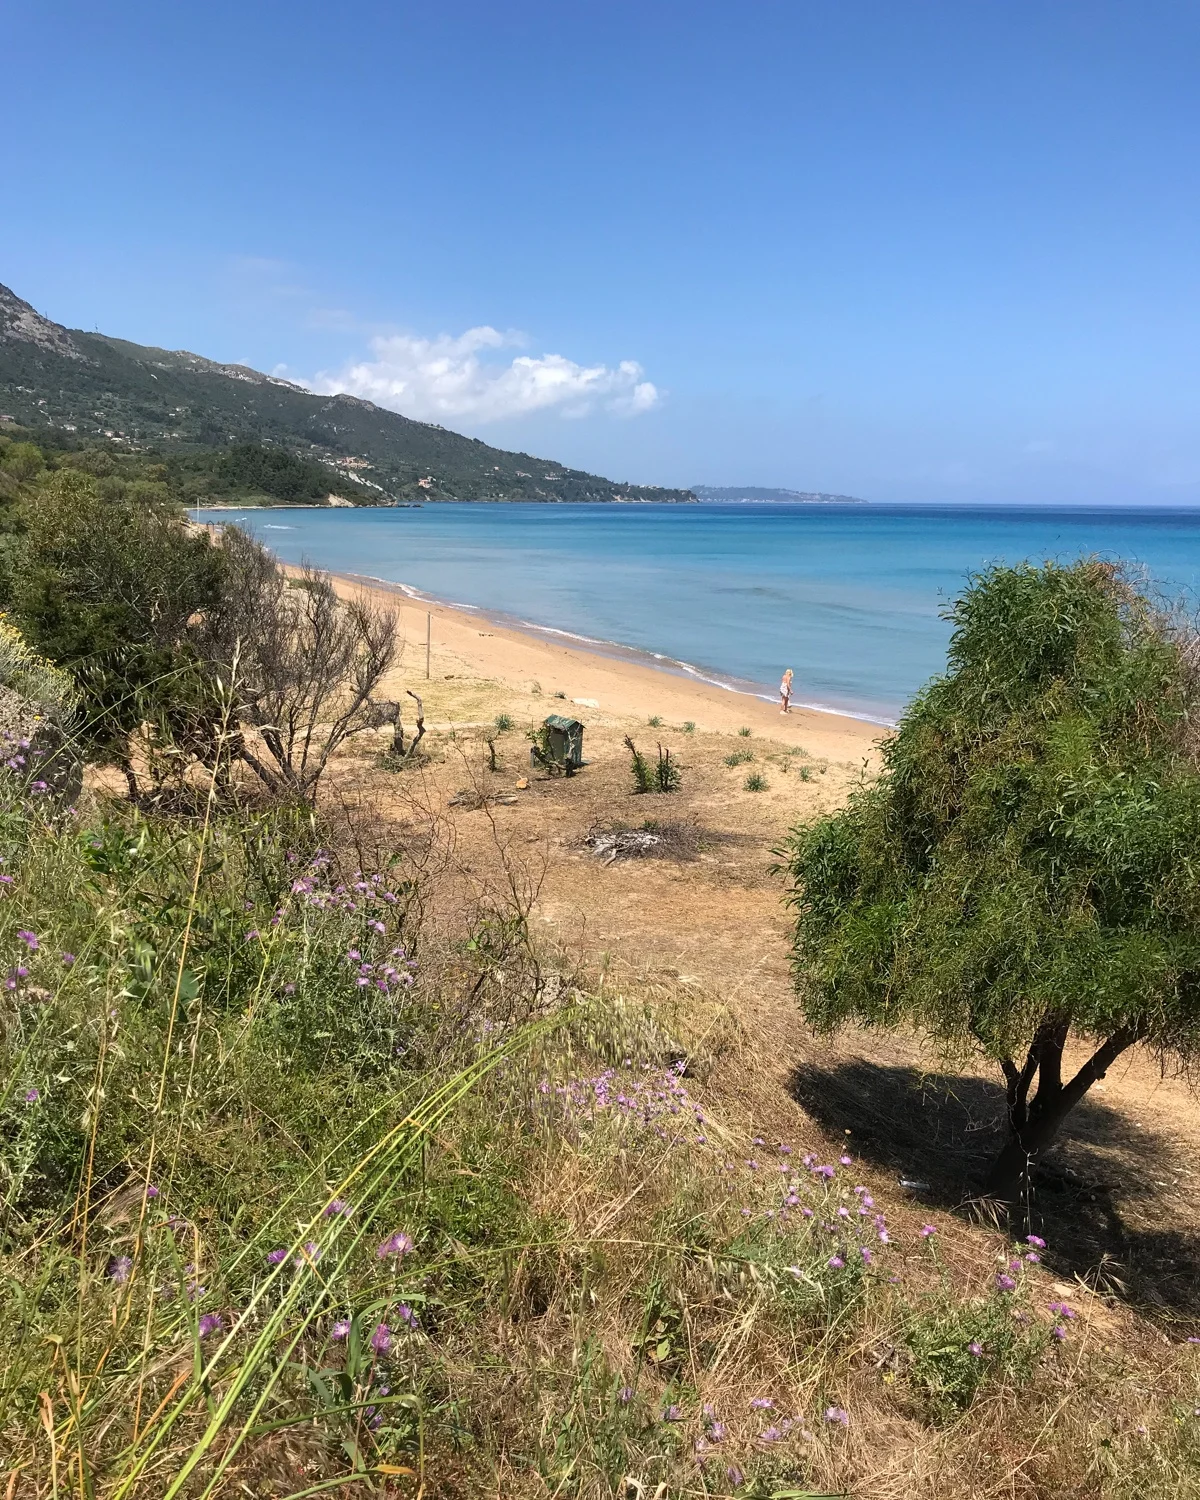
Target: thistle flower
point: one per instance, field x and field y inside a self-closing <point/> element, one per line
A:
<point x="30" y="939"/>
<point x="210" y="1323"/>
<point x="338" y="1206"/>
<point x="927" y="1230"/>
<point x="68" y="959"/>
<point x="381" y="1339"/>
<point x="1005" y="1283"/>
<point x="1036" y="1241"/>
<point x="119" y="1268"/>
<point x="761" y="1403"/>
<point x="1058" y="1332"/>
<point x="407" y="1316"/>
<point x="276" y="1257"/>
<point x="625" y="1395"/>
<point x="397" y="1244"/>
<point x="32" y="1096"/>
<point x="838" y="1415"/>
<point x="835" y="1263"/>
<point x="340" y="1329"/>
<point x="672" y="1414"/>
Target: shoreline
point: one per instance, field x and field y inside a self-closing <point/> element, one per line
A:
<point x="616" y="683"/>
<point x="600" y="675"/>
<point x="638" y="656"/>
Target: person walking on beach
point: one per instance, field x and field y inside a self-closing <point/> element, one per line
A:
<point x="785" y="692"/>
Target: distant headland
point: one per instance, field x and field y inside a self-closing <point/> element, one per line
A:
<point x="758" y="492"/>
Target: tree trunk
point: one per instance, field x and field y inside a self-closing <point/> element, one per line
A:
<point x="1034" y="1124"/>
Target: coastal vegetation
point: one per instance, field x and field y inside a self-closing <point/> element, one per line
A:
<point x="1021" y="876"/>
<point x="327" y="1165"/>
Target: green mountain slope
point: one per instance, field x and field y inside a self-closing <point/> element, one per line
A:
<point x="174" y="402"/>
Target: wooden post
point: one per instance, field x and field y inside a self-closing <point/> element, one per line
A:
<point x="428" y="639"/>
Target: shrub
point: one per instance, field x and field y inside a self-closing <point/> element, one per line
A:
<point x="745" y="731"/>
<point x="654" y="721"/>
<point x="663" y="776"/>
<point x="504" y="722"/>
<point x="755" y="782"/>
<point x="739" y="757"/>
<point x="689" y="727"/>
<point x="1022" y="871"/>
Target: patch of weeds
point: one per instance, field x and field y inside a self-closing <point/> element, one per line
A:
<point x="689" y="727"/>
<point x="957" y="1348"/>
<point x="739" y="757"/>
<point x="745" y="731"/>
<point x="755" y="782"/>
<point x="560" y="694"/>
<point x="655" y="721"/>
<point x="503" y="722"/>
<point x="804" y="773"/>
<point x="663" y="776"/>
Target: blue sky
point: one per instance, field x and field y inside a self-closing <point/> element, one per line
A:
<point x="906" y="251"/>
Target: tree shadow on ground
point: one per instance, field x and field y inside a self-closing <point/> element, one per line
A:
<point x="1106" y="1196"/>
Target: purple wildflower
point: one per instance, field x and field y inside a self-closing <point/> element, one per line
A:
<point x="340" y="1329"/>
<point x="32" y="1096"/>
<point x="407" y="1316"/>
<point x="30" y="939"/>
<point x="717" y="1431"/>
<point x="837" y="1414"/>
<point x="1058" y="1332"/>
<point x="835" y="1262"/>
<point x="927" y="1230"/>
<point x="68" y="959"/>
<point x="310" y="1252"/>
<point x="735" y="1475"/>
<point x="770" y="1435"/>
<point x="1005" y="1283"/>
<point x="975" y="1348"/>
<point x="381" y="1339"/>
<point x="276" y="1257"/>
<point x="865" y="1252"/>
<point x="1033" y="1257"/>
<point x="338" y="1206"/>
<point x="1036" y="1241"/>
<point x="846" y="1161"/>
<point x="210" y="1323"/>
<point x="761" y="1403"/>
<point x="119" y="1267"/>
<point x="625" y="1395"/>
<point x="151" y="1190"/>
<point x="672" y="1414"/>
<point x="396" y="1244"/>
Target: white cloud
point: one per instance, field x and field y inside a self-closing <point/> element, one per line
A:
<point x="452" y="377"/>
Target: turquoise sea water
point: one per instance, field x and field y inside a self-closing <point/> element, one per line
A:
<point x="849" y="596"/>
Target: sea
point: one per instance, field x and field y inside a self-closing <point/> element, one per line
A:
<point x="852" y="597"/>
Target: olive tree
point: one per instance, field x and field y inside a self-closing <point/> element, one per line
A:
<point x="1024" y="874"/>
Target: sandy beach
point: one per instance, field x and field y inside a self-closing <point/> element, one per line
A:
<point x="468" y="643"/>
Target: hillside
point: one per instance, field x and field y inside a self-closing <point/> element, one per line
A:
<point x="757" y="492"/>
<point x="175" y="402"/>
